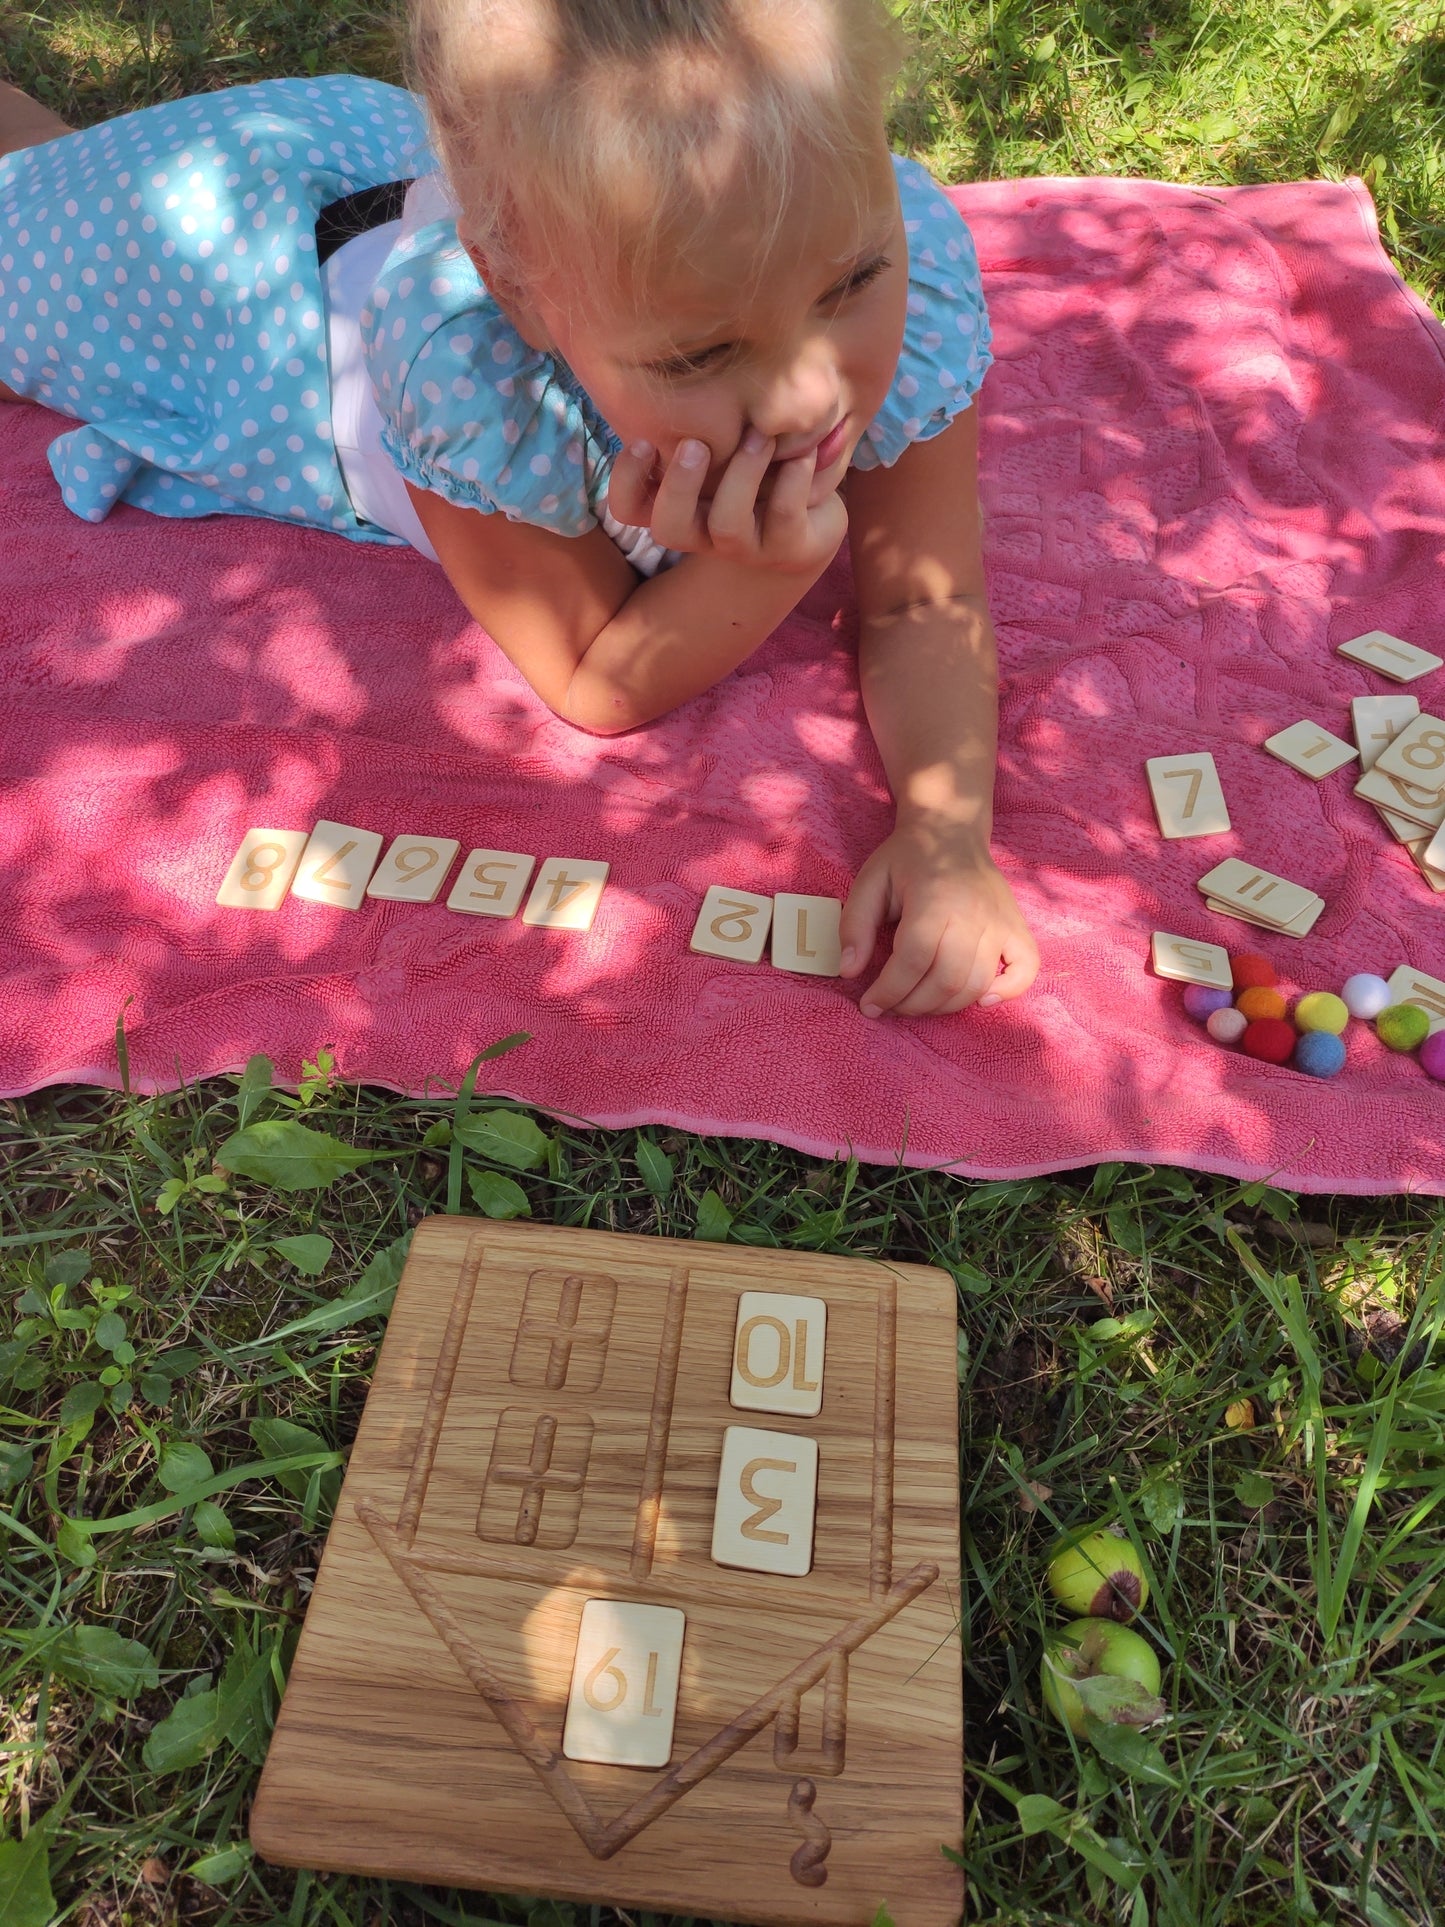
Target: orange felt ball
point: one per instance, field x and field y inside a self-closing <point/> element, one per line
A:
<point x="1257" y="1001"/>
<point x="1270" y="1038"/>
<point x="1250" y="971"/>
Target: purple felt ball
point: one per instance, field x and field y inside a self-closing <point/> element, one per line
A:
<point x="1432" y="1056"/>
<point x="1201" y="1001"/>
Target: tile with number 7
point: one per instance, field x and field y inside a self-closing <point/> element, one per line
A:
<point x="566" y="893"/>
<point x="337" y="865"/>
<point x="1188" y="800"/>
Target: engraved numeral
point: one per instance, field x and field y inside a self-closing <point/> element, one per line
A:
<point x="1194" y="777"/>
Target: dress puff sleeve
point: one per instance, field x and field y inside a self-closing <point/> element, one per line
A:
<point x="468" y="409"/>
<point x="946" y="337"/>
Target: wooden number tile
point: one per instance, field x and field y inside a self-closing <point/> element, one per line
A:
<point x="261" y="870"/>
<point x="732" y="923"/>
<point x="1310" y="749"/>
<point x="1189" y="960"/>
<point x="1417" y="754"/>
<point x="1422" y="806"/>
<point x="492" y="883"/>
<point x="566" y="894"/>
<point x="1420" y="851"/>
<point x="1400" y="661"/>
<point x="1400" y="827"/>
<point x="337" y="865"/>
<point x="623" y="1702"/>
<point x="778" y="1350"/>
<point x="1378" y="720"/>
<point x="1188" y="800"/>
<point x="766" y="1491"/>
<point x="1432" y="857"/>
<point x="1301" y="925"/>
<point x="805" y="934"/>
<point x="1244" y="886"/>
<point x="414" y="869"/>
<point x="1409" y="986"/>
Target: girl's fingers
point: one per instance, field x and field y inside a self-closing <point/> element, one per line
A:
<point x="863" y="913"/>
<point x="913" y="957"/>
<point x="630" y="489"/>
<point x="676" y="521"/>
<point x="787" y="511"/>
<point x="960" y="971"/>
<point x="1021" y="966"/>
<point x="732" y="520"/>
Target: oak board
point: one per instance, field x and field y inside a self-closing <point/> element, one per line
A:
<point x="545" y="1428"/>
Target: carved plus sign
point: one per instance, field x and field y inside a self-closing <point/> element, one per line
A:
<point x="563" y="1333"/>
<point x="536" y="1479"/>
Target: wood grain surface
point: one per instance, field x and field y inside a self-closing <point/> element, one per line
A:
<point x="545" y="1427"/>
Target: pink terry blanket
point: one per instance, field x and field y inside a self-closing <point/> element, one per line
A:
<point x="1213" y="450"/>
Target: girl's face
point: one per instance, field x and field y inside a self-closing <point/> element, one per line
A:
<point x="805" y="352"/>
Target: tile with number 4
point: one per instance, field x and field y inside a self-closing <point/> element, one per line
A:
<point x="492" y="883"/>
<point x="261" y="870"/>
<point x="1417" y="755"/>
<point x="1311" y="750"/>
<point x="566" y="894"/>
<point x="732" y="923"/>
<point x="1400" y="661"/>
<point x="413" y="869"/>
<point x="337" y="865"/>
<point x="805" y="934"/>
<point x="1188" y="800"/>
<point x="623" y="1701"/>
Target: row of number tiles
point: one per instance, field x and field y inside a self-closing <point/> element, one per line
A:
<point x="623" y="1700"/>
<point x="338" y="864"/>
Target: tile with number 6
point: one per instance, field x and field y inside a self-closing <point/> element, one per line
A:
<point x="261" y="870"/>
<point x="337" y="865"/>
<point x="413" y="869"/>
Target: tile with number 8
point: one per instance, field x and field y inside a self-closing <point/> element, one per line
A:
<point x="566" y="894"/>
<point x="413" y="869"/>
<point x="623" y="1700"/>
<point x="337" y="865"/>
<point x="1417" y="755"/>
<point x="261" y="870"/>
<point x="492" y="883"/>
<point x="732" y="923"/>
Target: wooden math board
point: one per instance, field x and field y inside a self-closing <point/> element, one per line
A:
<point x="642" y="1587"/>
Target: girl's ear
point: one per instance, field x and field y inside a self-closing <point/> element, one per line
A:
<point x="509" y="296"/>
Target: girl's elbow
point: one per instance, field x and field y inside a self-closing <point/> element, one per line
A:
<point x="600" y="711"/>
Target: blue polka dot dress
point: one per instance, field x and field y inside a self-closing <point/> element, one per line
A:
<point x="159" y="283"/>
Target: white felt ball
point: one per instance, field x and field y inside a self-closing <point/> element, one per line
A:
<point x="1365" y="995"/>
<point x="1227" y="1026"/>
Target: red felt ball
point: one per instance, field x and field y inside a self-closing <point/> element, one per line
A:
<point x="1250" y="971"/>
<point x="1271" y="1038"/>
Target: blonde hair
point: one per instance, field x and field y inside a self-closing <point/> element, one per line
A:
<point x="619" y="129"/>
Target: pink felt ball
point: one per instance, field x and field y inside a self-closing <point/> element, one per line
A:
<point x="1432" y="1056"/>
<point x="1227" y="1026"/>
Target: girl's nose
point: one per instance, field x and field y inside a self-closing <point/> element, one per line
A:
<point x="798" y="401"/>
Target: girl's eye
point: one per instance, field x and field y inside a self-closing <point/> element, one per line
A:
<point x="705" y="358"/>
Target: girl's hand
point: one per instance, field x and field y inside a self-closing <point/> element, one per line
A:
<point x="780" y="533"/>
<point x="957" y="924"/>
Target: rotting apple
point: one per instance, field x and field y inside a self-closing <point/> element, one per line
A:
<point x="1098" y="1666"/>
<point x="1098" y="1572"/>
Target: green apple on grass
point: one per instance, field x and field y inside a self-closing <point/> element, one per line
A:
<point x="1098" y="1572"/>
<point x="1098" y="1667"/>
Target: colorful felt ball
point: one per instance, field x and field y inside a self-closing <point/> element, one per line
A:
<point x="1320" y="1053"/>
<point x="1322" y="1010"/>
<point x="1402" y="1026"/>
<point x="1259" y="1001"/>
<point x="1228" y="1026"/>
<point x="1251" y="971"/>
<point x="1269" y="1038"/>
<point x="1364" y="994"/>
<point x="1202" y="999"/>
<point x="1432" y="1055"/>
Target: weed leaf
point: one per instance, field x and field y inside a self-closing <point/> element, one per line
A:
<point x="309" y="1252"/>
<point x="278" y="1438"/>
<point x="254" y="1085"/>
<point x="1253" y="1489"/>
<point x="104" y="1662"/>
<point x="655" y="1168"/>
<point x="1126" y="1748"/>
<point x="213" y="1528"/>
<point x="280" y="1152"/>
<point x="67" y="1268"/>
<point x="186" y="1735"/>
<point x="25" y="1896"/>
<point x="183" y="1465"/>
<point x="714" y="1220"/>
<point x="218" y="1869"/>
<point x="499" y="1197"/>
<point x="503" y="1137"/>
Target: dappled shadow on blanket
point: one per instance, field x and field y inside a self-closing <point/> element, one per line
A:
<point x="1204" y="466"/>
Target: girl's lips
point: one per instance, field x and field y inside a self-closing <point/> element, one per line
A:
<point x="831" y="446"/>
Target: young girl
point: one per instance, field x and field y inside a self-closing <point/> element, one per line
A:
<point x="628" y="339"/>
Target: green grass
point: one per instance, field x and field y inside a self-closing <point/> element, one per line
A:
<point x="1252" y="1385"/>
